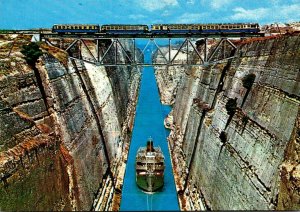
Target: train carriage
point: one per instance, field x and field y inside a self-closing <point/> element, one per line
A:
<point x="231" y="28"/>
<point x="175" y="28"/>
<point x="124" y="29"/>
<point x="75" y="28"/>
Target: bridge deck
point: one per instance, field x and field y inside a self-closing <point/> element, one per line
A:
<point x="153" y="35"/>
<point x="49" y="34"/>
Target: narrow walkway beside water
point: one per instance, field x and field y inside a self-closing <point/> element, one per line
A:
<point x="148" y="122"/>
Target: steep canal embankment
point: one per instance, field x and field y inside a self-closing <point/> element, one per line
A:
<point x="64" y="129"/>
<point x="235" y="129"/>
<point x="150" y="114"/>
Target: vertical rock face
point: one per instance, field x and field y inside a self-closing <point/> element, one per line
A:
<point x="168" y="78"/>
<point x="33" y="170"/>
<point x="248" y="159"/>
<point x="58" y="150"/>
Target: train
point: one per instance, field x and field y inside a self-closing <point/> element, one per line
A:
<point x="156" y="28"/>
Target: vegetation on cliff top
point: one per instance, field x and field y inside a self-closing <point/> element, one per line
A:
<point x="248" y="81"/>
<point x="31" y="52"/>
<point x="231" y="106"/>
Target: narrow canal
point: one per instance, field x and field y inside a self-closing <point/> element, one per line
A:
<point x="149" y="119"/>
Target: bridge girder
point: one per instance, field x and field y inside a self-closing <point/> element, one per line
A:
<point x="200" y="54"/>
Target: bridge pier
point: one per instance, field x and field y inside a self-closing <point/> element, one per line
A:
<point x="205" y="49"/>
<point x="98" y="50"/>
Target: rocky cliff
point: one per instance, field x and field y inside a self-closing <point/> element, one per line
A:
<point x="235" y="129"/>
<point x="64" y="129"/>
<point x="170" y="76"/>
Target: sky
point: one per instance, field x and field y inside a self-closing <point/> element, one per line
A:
<point x="24" y="14"/>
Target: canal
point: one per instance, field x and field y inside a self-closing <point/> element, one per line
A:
<point x="150" y="114"/>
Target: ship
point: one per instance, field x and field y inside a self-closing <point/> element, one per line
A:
<point x="150" y="166"/>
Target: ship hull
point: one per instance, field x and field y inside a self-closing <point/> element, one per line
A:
<point x="150" y="183"/>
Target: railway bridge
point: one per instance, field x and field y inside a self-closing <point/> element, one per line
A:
<point x="197" y="48"/>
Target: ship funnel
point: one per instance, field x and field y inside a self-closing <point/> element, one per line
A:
<point x="150" y="145"/>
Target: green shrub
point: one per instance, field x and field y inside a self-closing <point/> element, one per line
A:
<point x="231" y="106"/>
<point x="245" y="120"/>
<point x="31" y="53"/>
<point x="200" y="42"/>
<point x="223" y="137"/>
<point x="248" y="80"/>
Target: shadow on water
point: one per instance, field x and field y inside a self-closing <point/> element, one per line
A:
<point x="150" y="114"/>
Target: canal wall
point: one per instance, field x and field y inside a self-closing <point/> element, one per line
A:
<point x="64" y="129"/>
<point x="236" y="146"/>
<point x="169" y="78"/>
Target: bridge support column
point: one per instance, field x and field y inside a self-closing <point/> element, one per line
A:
<point x="116" y="51"/>
<point x="187" y="50"/>
<point x="169" y="62"/>
<point x="80" y="49"/>
<point x="224" y="49"/>
<point x="205" y="50"/>
<point x="134" y="46"/>
<point x="98" y="50"/>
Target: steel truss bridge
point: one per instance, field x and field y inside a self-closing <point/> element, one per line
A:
<point x="194" y="49"/>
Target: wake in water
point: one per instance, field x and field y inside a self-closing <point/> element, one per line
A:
<point x="149" y="202"/>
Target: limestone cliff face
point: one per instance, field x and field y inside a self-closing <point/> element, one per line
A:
<point x="62" y="138"/>
<point x="168" y="78"/>
<point x="248" y="159"/>
<point x="31" y="161"/>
